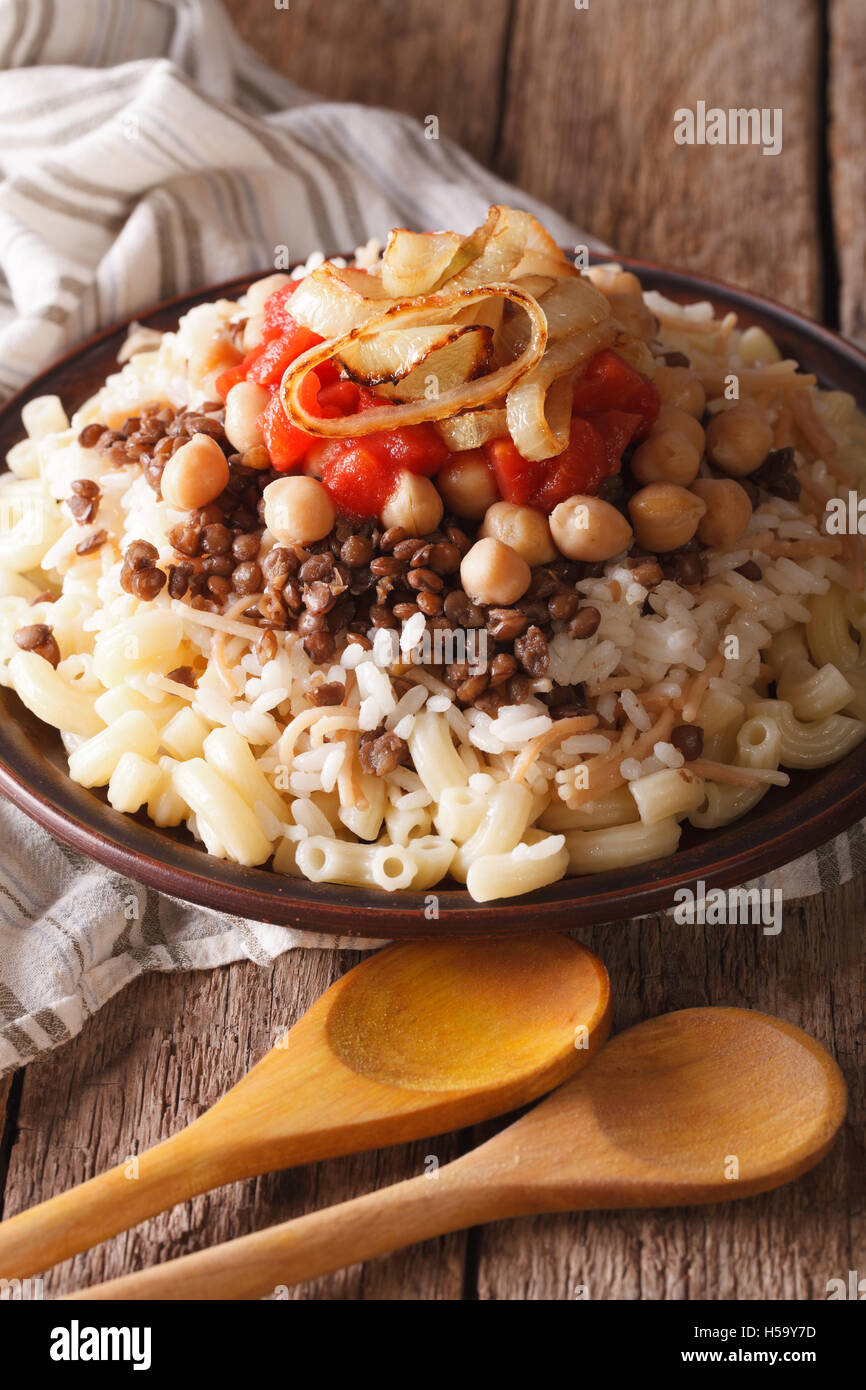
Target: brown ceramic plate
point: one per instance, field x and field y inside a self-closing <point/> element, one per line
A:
<point x="788" y="822"/>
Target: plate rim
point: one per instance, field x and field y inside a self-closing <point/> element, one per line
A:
<point x="338" y="910"/>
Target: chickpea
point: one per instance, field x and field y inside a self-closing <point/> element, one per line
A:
<point x="523" y="528"/>
<point x="633" y="314"/>
<point x="206" y="363"/>
<point x="254" y="331"/>
<point x="314" y="457"/>
<point x="414" y="504"/>
<point x="491" y="572"/>
<point x="612" y="281"/>
<point x="260" y="290"/>
<point x="586" y="528"/>
<point x="756" y="345"/>
<point x="665" y="516"/>
<point x="195" y="475"/>
<point x="666" y="457"/>
<point x="739" y="439"/>
<point x="670" y="418"/>
<point x="680" y="387"/>
<point x="298" y="510"/>
<point x="244" y="404"/>
<point x="467" y="484"/>
<point x="729" y="511"/>
<point x="625" y="282"/>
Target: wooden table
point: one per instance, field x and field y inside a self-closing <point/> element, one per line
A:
<point x="576" y="106"/>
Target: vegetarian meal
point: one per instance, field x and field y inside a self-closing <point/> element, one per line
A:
<point x="455" y="561"/>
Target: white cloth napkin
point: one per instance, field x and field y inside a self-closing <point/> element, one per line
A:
<point x="145" y="151"/>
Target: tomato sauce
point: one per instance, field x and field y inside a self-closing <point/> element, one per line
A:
<point x="613" y="406"/>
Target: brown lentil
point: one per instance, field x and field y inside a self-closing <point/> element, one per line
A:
<point x="247" y="578"/>
<point x="278" y="565"/>
<point x="504" y="624"/>
<point x="39" y="638"/>
<point x="391" y="537"/>
<point x="319" y="646"/>
<point x="317" y="567"/>
<point x="429" y="603"/>
<point x="750" y="570"/>
<point x="490" y="702"/>
<point x="84" y="502"/>
<point x="584" y="623"/>
<point x="92" y="542"/>
<point x="387" y="565"/>
<point x="219" y="587"/>
<point x="381" y="753"/>
<point x="688" y="739"/>
<point x="648" y="573"/>
<point x="246" y="547"/>
<point x="329" y="693"/>
<point x="405" y="611"/>
<point x="502" y="668"/>
<point x="216" y="539"/>
<point x="144" y="584"/>
<point x="221" y="565"/>
<point x="90" y="435"/>
<point x="518" y="690"/>
<point x="470" y="689"/>
<point x="319" y="597"/>
<point x="531" y="651"/>
<point x="183" y="675"/>
<point x="563" y="605"/>
<point x="425" y="579"/>
<point x="178" y="579"/>
<point x="356" y="551"/>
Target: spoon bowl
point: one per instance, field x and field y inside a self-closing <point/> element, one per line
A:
<point x="416" y="1040"/>
<point x="703" y="1105"/>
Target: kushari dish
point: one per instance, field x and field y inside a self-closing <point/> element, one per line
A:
<point x="455" y="561"/>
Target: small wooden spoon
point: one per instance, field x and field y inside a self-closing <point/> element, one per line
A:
<point x="417" y="1040"/>
<point x="698" y="1106"/>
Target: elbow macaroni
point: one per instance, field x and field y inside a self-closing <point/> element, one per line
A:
<point x="490" y="792"/>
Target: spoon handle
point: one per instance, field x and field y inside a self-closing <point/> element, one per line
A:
<point x="270" y="1260"/>
<point x="112" y="1202"/>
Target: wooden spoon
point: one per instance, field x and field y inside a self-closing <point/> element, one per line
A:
<point x="698" y="1106"/>
<point x="417" y="1040"/>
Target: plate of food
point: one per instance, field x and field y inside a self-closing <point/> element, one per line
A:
<point x="451" y="587"/>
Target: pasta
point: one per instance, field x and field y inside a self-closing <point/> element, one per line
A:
<point x="812" y="744"/>
<point x="759" y="745"/>
<point x="397" y="642"/>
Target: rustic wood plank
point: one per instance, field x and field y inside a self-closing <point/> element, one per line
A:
<point x="405" y="54"/>
<point x="7" y="1124"/>
<point x="598" y="144"/>
<point x="847" y="109"/>
<point x="786" y="1244"/>
<point x="590" y="102"/>
<point x="153" y="1060"/>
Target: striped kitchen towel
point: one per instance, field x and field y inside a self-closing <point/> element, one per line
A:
<point x="145" y="151"/>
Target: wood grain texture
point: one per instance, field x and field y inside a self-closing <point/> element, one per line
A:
<point x="847" y="110"/>
<point x="587" y="123"/>
<point x="647" y="1124"/>
<point x="382" y="1057"/>
<point x="590" y="102"/>
<point x="153" y="1060"/>
<point x="426" y="59"/>
<point x="786" y="1244"/>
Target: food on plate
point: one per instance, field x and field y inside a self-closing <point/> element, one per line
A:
<point x="455" y="561"/>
